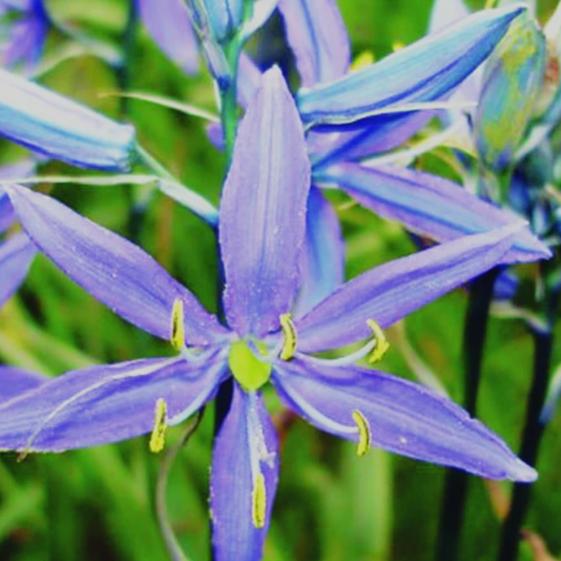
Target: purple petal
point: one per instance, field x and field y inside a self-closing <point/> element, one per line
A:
<point x="169" y="24"/>
<point x="430" y="206"/>
<point x="245" y="447"/>
<point x="403" y="417"/>
<point x="263" y="211"/>
<point x="7" y="216"/>
<point x="14" y="382"/>
<point x="390" y="292"/>
<point x="318" y="37"/>
<point x="17" y="171"/>
<point x="105" y="404"/>
<point x="58" y="127"/>
<point x="324" y="257"/>
<point x="109" y="267"/>
<point x="424" y="71"/>
<point x="27" y="36"/>
<point x="386" y="133"/>
<point x="16" y="255"/>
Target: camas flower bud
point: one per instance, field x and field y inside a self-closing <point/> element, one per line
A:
<point x="216" y="19"/>
<point x="60" y="128"/>
<point x="511" y="83"/>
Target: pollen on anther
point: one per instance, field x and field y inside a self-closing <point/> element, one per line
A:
<point x="259" y="501"/>
<point x="290" y="337"/>
<point x="382" y="344"/>
<point x="177" y="337"/>
<point x="158" y="436"/>
<point x="364" y="433"/>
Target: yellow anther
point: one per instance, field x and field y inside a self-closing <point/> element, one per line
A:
<point x="259" y="501"/>
<point x="158" y="436"/>
<point x="382" y="344"/>
<point x="177" y="337"/>
<point x="398" y="45"/>
<point x="290" y="337"/>
<point x="364" y="59"/>
<point x="364" y="433"/>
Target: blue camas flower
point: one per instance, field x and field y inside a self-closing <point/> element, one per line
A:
<point x="60" y="128"/>
<point x="24" y="25"/>
<point x="428" y="70"/>
<point x="262" y="242"/>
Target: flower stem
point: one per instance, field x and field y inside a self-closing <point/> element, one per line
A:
<point x="128" y="39"/>
<point x="456" y="482"/>
<point x="168" y="535"/>
<point x="228" y="98"/>
<point x="533" y="431"/>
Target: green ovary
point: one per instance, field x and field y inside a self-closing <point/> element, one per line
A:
<point x="248" y="369"/>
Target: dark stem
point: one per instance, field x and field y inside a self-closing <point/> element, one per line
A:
<point x="123" y="73"/>
<point x="172" y="545"/>
<point x="128" y="40"/>
<point x="532" y="435"/>
<point x="456" y="482"/>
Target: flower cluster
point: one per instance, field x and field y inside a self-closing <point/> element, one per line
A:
<point x="289" y="316"/>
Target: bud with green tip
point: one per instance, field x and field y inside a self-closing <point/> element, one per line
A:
<point x="511" y="83"/>
<point x="62" y="129"/>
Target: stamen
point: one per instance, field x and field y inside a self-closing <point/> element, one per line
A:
<point x="382" y="344"/>
<point x="259" y="501"/>
<point x="158" y="436"/>
<point x="290" y="337"/>
<point x="364" y="433"/>
<point x="177" y="337"/>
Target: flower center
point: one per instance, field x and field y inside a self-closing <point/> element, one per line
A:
<point x="247" y="365"/>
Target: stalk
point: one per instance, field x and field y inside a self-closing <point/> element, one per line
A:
<point x="533" y="430"/>
<point x="168" y="535"/>
<point x="456" y="482"/>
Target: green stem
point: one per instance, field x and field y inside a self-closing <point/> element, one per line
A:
<point x="228" y="98"/>
<point x="128" y="40"/>
<point x="166" y="529"/>
<point x="456" y="483"/>
<point x="533" y="431"/>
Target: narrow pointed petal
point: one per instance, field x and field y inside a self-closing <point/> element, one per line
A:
<point x="105" y="404"/>
<point x="387" y="133"/>
<point x="60" y="128"/>
<point x="263" y="211"/>
<point x="169" y="24"/>
<point x="7" y="216"/>
<point x="318" y="37"/>
<point x="430" y="206"/>
<point x="424" y="71"/>
<point x="401" y="417"/>
<point x="324" y="256"/>
<point x="15" y="382"/>
<point x="16" y="255"/>
<point x="26" y="35"/>
<point x="112" y="269"/>
<point x="245" y="448"/>
<point x="388" y="293"/>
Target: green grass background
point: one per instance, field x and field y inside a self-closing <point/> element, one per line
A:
<point x="331" y="506"/>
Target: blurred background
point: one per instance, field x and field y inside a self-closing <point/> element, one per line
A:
<point x="98" y="504"/>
